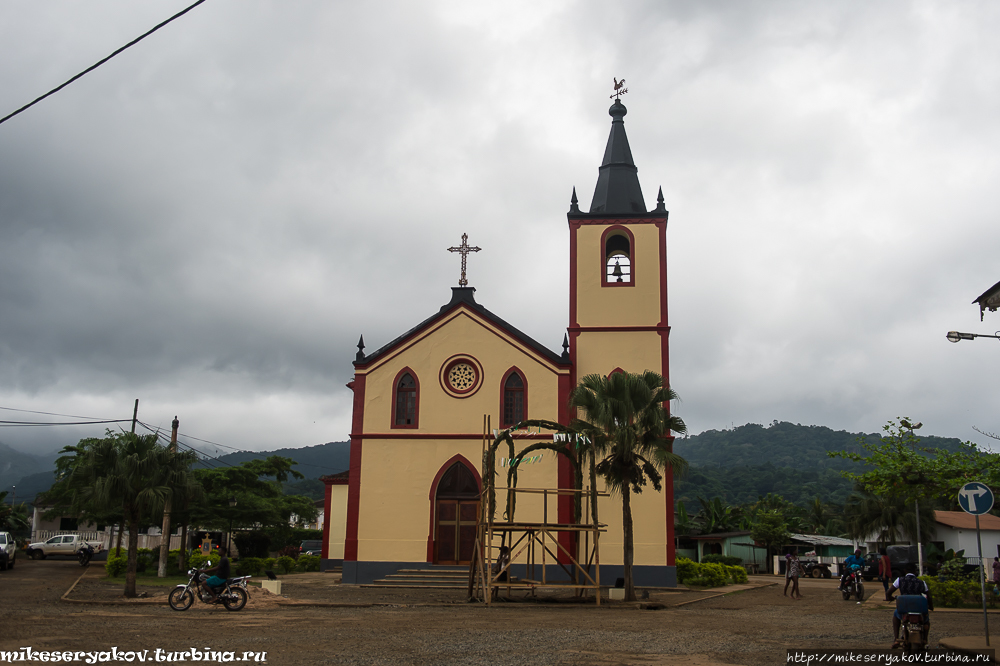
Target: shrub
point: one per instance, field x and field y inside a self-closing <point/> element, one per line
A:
<point x="116" y="564"/>
<point x="290" y="551"/>
<point x="952" y="593"/>
<point x="144" y="557"/>
<point x="308" y="563"/>
<point x="197" y="559"/>
<point x="728" y="560"/>
<point x="285" y="564"/>
<point x="954" y="569"/>
<point x="686" y="569"/>
<point x="708" y="574"/>
<point x="250" y="566"/>
<point x="270" y="563"/>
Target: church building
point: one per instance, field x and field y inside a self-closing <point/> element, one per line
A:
<point x="420" y="401"/>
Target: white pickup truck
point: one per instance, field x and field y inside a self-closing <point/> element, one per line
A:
<point x="63" y="544"/>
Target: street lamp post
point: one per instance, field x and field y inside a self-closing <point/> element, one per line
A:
<point x="955" y="336"/>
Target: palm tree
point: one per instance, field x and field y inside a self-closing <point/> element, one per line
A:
<point x="125" y="472"/>
<point x="627" y="418"/>
<point x="886" y="517"/>
<point x="717" y="516"/>
<point x="13" y="518"/>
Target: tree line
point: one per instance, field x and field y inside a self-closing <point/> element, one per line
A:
<point x="126" y="479"/>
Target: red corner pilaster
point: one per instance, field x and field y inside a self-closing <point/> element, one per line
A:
<point x="354" y="484"/>
<point x="566" y="481"/>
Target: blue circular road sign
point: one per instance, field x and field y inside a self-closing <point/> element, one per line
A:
<point x="975" y="498"/>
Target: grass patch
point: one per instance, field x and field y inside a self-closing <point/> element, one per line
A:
<point x="151" y="581"/>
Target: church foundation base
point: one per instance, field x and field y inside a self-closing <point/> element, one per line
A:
<point x="330" y="563"/>
<point x="365" y="573"/>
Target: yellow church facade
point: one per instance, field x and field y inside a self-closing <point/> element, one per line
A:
<point x="420" y="401"/>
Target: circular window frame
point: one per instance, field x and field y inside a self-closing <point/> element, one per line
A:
<point x="451" y="363"/>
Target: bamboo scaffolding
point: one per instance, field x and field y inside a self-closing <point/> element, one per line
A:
<point x="530" y="538"/>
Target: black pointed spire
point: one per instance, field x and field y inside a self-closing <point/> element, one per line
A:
<point x="565" y="353"/>
<point x="361" y="349"/>
<point x="660" y="207"/>
<point x="617" y="188"/>
<point x="573" y="207"/>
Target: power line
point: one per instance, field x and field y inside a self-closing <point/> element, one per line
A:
<point x="10" y="424"/>
<point x="100" y="62"/>
<point x="31" y="411"/>
<point x="253" y="453"/>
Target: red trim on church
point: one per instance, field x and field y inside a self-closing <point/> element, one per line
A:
<point x="354" y="482"/>
<point x="478" y="436"/>
<point x="432" y="494"/>
<point x="668" y="485"/>
<point x="564" y="504"/>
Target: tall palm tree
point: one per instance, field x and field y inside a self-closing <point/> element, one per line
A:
<point x="125" y="471"/>
<point x="627" y="418"/>
<point x="886" y="517"/>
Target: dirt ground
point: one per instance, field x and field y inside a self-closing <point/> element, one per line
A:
<point x="319" y="621"/>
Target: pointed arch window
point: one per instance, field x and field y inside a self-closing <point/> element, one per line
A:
<point x="618" y="247"/>
<point x="514" y="407"/>
<point x="406" y="401"/>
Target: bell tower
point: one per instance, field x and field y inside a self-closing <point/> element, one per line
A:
<point x="618" y="280"/>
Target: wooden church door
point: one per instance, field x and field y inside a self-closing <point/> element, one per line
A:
<point x="456" y="511"/>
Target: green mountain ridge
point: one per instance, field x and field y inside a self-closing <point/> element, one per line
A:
<point x="15" y="465"/>
<point x="741" y="464"/>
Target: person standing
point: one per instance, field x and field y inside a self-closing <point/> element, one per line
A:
<point x="793" y="569"/>
<point x="996" y="572"/>
<point x="885" y="572"/>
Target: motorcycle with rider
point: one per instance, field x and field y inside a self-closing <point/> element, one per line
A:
<point x="850" y="581"/>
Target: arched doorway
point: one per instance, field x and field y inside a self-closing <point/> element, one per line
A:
<point x="456" y="508"/>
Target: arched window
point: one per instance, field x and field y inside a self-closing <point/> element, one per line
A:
<point x="513" y="407"/>
<point x="405" y="411"/>
<point x="618" y="263"/>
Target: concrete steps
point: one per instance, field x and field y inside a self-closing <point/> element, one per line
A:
<point x="434" y="577"/>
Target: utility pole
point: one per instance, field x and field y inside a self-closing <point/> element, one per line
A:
<point x="165" y="532"/>
<point x="121" y="525"/>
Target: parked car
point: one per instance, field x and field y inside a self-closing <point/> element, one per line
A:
<point x="62" y="544"/>
<point x="8" y="551"/>
<point x="311" y="547"/>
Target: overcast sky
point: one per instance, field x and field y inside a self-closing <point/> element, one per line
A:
<point x="210" y="220"/>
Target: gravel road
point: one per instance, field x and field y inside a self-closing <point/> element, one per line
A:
<point x="436" y="627"/>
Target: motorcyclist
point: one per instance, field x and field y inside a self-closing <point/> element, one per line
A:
<point x="85" y="552"/>
<point x="910" y="585"/>
<point x="852" y="562"/>
<point x="220" y="574"/>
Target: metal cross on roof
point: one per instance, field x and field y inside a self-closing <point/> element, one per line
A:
<point x="464" y="249"/>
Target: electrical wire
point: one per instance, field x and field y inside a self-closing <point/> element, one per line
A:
<point x="60" y="423"/>
<point x="101" y="62"/>
<point x="253" y="453"/>
<point x="31" y="411"/>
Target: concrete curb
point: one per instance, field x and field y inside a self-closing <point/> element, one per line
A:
<point x="722" y="594"/>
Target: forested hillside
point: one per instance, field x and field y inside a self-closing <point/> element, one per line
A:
<point x="312" y="461"/>
<point x="787" y="459"/>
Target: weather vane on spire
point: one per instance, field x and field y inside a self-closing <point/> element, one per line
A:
<point x="464" y="249"/>
<point x="620" y="88"/>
